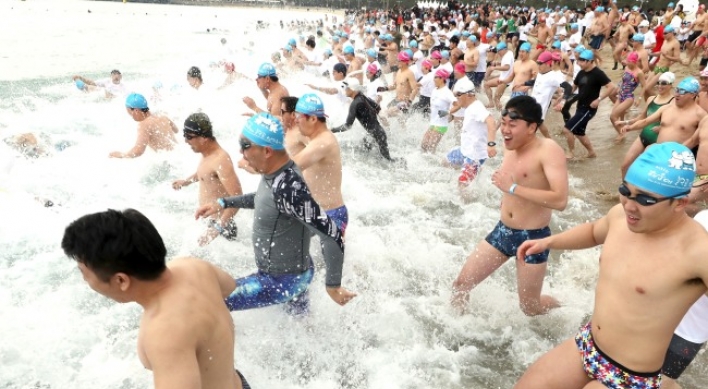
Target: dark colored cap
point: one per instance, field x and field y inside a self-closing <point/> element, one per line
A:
<point x="340" y="68"/>
<point x="194" y="72"/>
<point x="115" y="71"/>
<point x="198" y="124"/>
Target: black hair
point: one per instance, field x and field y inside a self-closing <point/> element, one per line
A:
<point x="195" y="72"/>
<point x="273" y="78"/>
<point x="290" y="102"/>
<point x="527" y="107"/>
<point x="113" y="242"/>
<point x="455" y="39"/>
<point x="310" y="43"/>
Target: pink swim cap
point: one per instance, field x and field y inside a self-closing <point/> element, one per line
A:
<point x="442" y="73"/>
<point x="229" y="66"/>
<point x="436" y="55"/>
<point x="633" y="57"/>
<point x="372" y="68"/>
<point x="460" y="67"/>
<point x="704" y="73"/>
<point x="427" y="64"/>
<point x="557" y="57"/>
<point x="403" y="57"/>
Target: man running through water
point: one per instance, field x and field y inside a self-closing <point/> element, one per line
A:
<point x="156" y="132"/>
<point x="271" y="88"/>
<point x="186" y="334"/>
<point x="652" y="260"/>
<point x="112" y="87"/>
<point x="285" y="218"/>
<point x="534" y="179"/>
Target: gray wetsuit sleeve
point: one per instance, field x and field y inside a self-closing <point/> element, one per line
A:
<point x="293" y="198"/>
<point x="246" y="201"/>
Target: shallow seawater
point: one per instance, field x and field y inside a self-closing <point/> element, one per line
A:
<point x="408" y="236"/>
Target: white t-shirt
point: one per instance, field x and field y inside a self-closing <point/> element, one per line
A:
<point x="565" y="46"/>
<point x="417" y="73"/>
<point x="588" y="19"/>
<point x="418" y="56"/>
<point x="328" y="65"/>
<point x="545" y="86"/>
<point x="575" y="38"/>
<point x="482" y="63"/>
<point x="524" y="30"/>
<point x="440" y="100"/>
<point x="372" y="88"/>
<point x="427" y="85"/>
<point x="560" y="28"/>
<point x="118" y="90"/>
<point x="507" y="59"/>
<point x="649" y="39"/>
<point x="473" y="142"/>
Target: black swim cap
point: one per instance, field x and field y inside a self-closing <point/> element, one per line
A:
<point x="199" y="124"/>
<point x="194" y="72"/>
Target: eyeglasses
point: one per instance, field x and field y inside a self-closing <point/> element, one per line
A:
<point x="642" y="199"/>
<point x="681" y="92"/>
<point x="514" y="115"/>
<point x="663" y="83"/>
<point x="245" y="144"/>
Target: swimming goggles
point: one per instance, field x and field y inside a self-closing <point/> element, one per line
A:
<point x="645" y="200"/>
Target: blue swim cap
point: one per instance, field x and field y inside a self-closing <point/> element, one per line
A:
<point x="466" y="33"/>
<point x="267" y="69"/>
<point x="335" y="38"/>
<point x="292" y="42"/>
<point x="490" y="34"/>
<point x="389" y="37"/>
<point x="666" y="169"/>
<point x="265" y="130"/>
<point x="579" y="49"/>
<point x="413" y="44"/>
<point x="409" y="52"/>
<point x="671" y="5"/>
<point x="556" y="45"/>
<point x="587" y="55"/>
<point x="501" y="46"/>
<point x="668" y="29"/>
<point x="445" y="53"/>
<point x="574" y="26"/>
<point x="327" y="52"/>
<point x="80" y="84"/>
<point x="288" y="48"/>
<point x="600" y="9"/>
<point x="310" y="104"/>
<point x="638" y="37"/>
<point x="525" y="47"/>
<point x="473" y="38"/>
<point x="635" y="8"/>
<point x="348" y="50"/>
<point x="689" y="84"/>
<point x="371" y="53"/>
<point x="136" y="101"/>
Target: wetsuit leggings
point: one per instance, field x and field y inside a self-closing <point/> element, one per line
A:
<point x="379" y="135"/>
<point x="422" y="105"/>
<point x="263" y="289"/>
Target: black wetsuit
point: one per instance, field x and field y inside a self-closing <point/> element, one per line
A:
<point x="365" y="110"/>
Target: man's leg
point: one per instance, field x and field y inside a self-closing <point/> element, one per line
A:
<point x="585" y="141"/>
<point x="500" y="91"/>
<point x="488" y="85"/>
<point x="483" y="261"/>
<point x="529" y="280"/>
<point x="570" y="138"/>
<point x="560" y="368"/>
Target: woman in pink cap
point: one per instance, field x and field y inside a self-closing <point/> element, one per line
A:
<point x="440" y="104"/>
<point x="631" y="78"/>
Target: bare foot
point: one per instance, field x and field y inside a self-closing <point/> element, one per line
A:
<point x="593" y="155"/>
<point x="569" y="157"/>
<point x="619" y="139"/>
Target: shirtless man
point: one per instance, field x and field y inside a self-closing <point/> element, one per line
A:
<point x="670" y="53"/>
<point x="703" y="94"/>
<point x="320" y="160"/>
<point x="405" y="85"/>
<point x="534" y="178"/>
<point x="293" y="139"/>
<point x="599" y="31"/>
<point x="542" y="33"/>
<point x="215" y="174"/>
<point x="130" y="267"/>
<point x="678" y="120"/>
<point x="157" y="132"/>
<point x="699" y="191"/>
<point x="471" y="59"/>
<point x="391" y="51"/>
<point x="698" y="34"/>
<point x="355" y="64"/>
<point x="622" y="35"/>
<point x="652" y="260"/>
<point x="271" y="88"/>
<point x="524" y="69"/>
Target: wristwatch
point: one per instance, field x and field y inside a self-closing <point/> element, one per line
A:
<point x="491" y="144"/>
<point x="221" y="202"/>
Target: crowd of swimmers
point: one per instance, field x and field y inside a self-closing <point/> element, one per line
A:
<point x="451" y="67"/>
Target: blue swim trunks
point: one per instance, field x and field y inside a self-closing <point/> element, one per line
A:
<point x="262" y="289"/>
<point x="518" y="93"/>
<point x="507" y="241"/>
<point x="340" y="216"/>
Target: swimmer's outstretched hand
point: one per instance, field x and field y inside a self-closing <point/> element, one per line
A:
<point x="210" y="235"/>
<point x="249" y="102"/>
<point x="207" y="210"/>
<point x="340" y="295"/>
<point x="531" y="247"/>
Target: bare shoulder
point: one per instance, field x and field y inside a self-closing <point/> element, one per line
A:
<point x="550" y="149"/>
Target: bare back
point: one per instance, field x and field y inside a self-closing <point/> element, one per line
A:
<point x="646" y="284"/>
<point x="160" y="131"/>
<point x="189" y="315"/>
